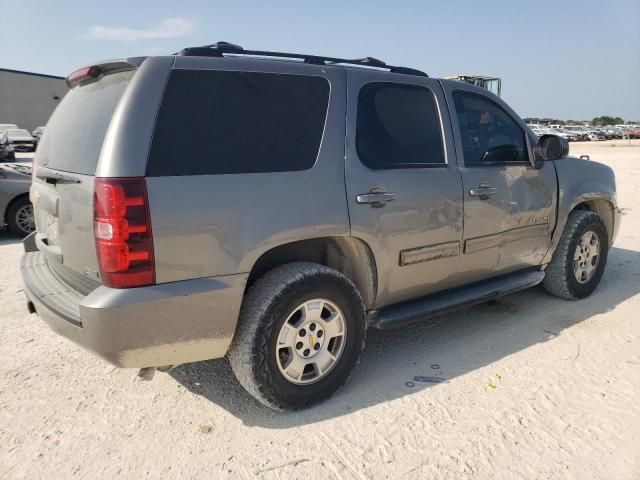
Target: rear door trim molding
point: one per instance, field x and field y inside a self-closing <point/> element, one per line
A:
<point x="429" y="252"/>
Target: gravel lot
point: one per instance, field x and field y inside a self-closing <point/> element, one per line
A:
<point x="535" y="387"/>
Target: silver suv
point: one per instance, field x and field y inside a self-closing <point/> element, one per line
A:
<point x="269" y="207"/>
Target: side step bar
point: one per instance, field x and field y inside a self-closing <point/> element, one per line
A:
<point x="426" y="307"/>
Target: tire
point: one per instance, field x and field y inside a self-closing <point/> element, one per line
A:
<point x="254" y="355"/>
<point x="561" y="279"/>
<point x="15" y="217"/>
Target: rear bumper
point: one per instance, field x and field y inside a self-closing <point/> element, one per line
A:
<point x="159" y="325"/>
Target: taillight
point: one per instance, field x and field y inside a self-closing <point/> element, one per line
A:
<point x="82" y="76"/>
<point x="122" y="230"/>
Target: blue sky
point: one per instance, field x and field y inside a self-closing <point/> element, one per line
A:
<point x="566" y="59"/>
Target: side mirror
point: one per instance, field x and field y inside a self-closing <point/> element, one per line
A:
<point x="553" y="147"/>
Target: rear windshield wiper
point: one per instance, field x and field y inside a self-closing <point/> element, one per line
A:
<point x="55" y="177"/>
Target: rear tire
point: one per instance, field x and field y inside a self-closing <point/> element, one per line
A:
<point x="574" y="273"/>
<point x="278" y="309"/>
<point x="20" y="217"/>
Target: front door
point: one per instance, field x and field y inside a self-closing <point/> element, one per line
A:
<point x="403" y="188"/>
<point x="509" y="204"/>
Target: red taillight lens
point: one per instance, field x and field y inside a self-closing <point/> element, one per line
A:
<point x="122" y="230"/>
<point x="84" y="75"/>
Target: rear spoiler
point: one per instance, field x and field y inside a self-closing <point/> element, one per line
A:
<point x="95" y="72"/>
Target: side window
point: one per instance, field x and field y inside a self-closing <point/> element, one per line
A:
<point x="221" y="122"/>
<point x="398" y="127"/>
<point x="489" y="134"/>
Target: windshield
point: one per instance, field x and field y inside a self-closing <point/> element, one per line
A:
<point x="74" y="135"/>
<point x="17" y="132"/>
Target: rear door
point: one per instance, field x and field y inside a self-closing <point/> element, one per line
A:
<point x="403" y="188"/>
<point x="509" y="204"/>
<point x="65" y="165"/>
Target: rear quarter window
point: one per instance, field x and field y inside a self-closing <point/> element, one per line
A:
<point x="220" y="122"/>
<point x="76" y="130"/>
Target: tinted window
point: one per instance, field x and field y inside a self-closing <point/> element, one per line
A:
<point x="216" y="122"/>
<point x="76" y="129"/>
<point x="489" y="134"/>
<point x="398" y="127"/>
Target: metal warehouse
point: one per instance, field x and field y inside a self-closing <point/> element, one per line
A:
<point x="28" y="99"/>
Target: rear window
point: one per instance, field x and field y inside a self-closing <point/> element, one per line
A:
<point x="77" y="128"/>
<point x="219" y="122"/>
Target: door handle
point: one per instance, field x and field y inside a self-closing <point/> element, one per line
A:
<point x="375" y="198"/>
<point x="483" y="191"/>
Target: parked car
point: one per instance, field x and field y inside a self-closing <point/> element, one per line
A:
<point x="612" y="133"/>
<point x="577" y="130"/>
<point x="539" y="131"/>
<point x="595" y="135"/>
<point x="21" y="140"/>
<point x="536" y="129"/>
<point x="15" y="207"/>
<point x="7" y="153"/>
<point x="313" y="199"/>
<point x="570" y="136"/>
<point x="632" y="132"/>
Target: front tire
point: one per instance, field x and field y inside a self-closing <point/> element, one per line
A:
<point x="300" y="333"/>
<point x="579" y="260"/>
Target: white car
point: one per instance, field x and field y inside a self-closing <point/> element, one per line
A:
<point x="21" y="139"/>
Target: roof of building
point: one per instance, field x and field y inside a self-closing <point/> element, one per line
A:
<point x="31" y="73"/>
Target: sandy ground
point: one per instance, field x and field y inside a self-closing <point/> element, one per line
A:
<point x="535" y="387"/>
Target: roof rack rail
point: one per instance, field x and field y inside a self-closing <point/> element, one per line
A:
<point x="220" y="49"/>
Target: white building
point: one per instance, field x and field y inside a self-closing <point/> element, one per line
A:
<point x="28" y="99"/>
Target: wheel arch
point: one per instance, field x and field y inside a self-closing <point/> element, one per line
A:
<point x="602" y="204"/>
<point x="349" y="255"/>
<point x="604" y="208"/>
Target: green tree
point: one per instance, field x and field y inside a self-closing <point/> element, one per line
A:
<point x="606" y="120"/>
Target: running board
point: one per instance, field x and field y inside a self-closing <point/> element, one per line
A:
<point x="436" y="304"/>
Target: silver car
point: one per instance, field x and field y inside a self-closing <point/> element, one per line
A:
<point x="15" y="207"/>
<point x="7" y="152"/>
<point x="20" y="139"/>
<point x="270" y="207"/>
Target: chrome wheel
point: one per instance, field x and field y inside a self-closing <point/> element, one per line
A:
<point x="24" y="219"/>
<point x="311" y="341"/>
<point x="586" y="257"/>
